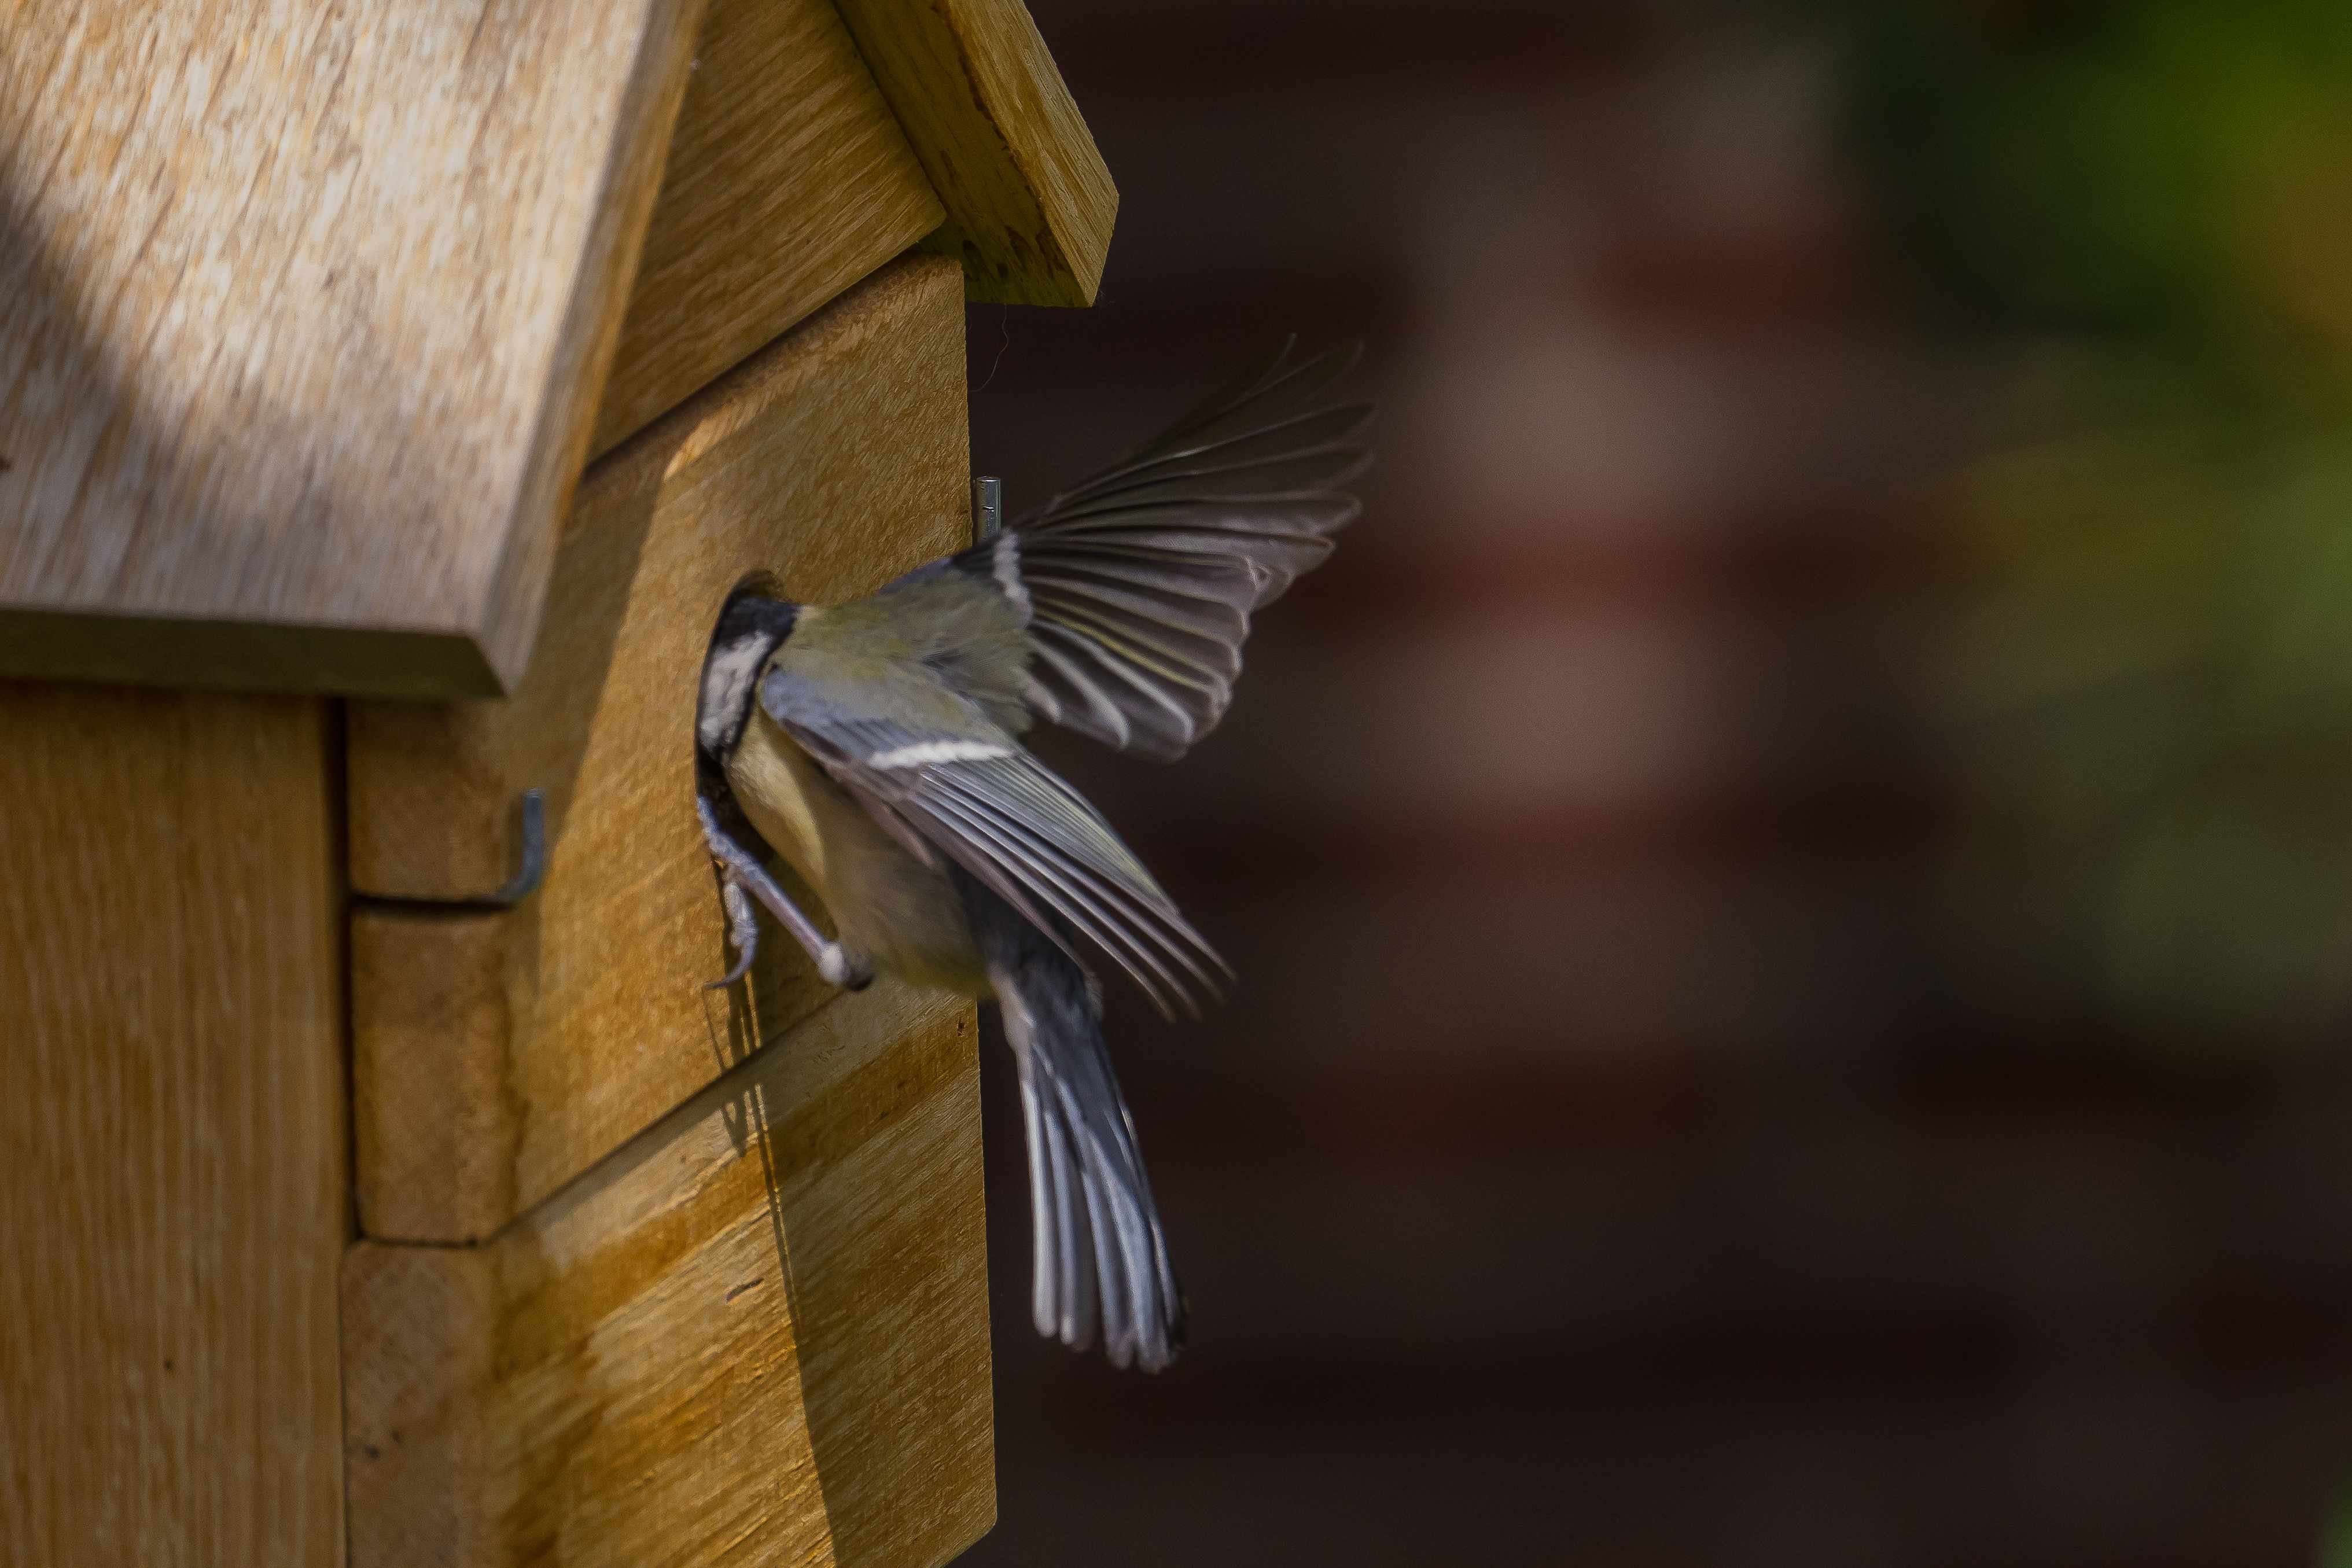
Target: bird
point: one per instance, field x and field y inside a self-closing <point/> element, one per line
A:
<point x="876" y="746"/>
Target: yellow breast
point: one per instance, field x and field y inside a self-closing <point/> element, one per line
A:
<point x="900" y="912"/>
<point x="774" y="780"/>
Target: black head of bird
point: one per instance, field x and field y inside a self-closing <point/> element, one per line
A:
<point x="876" y="747"/>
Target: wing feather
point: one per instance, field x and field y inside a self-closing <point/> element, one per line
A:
<point x="1280" y="378"/>
<point x="1139" y="582"/>
<point x="1047" y="812"/>
<point x="1281" y="475"/>
<point x="1070" y="896"/>
<point x="967" y="789"/>
<point x="1146" y="689"/>
<point x="1325" y="433"/>
<point x="1063" y="688"/>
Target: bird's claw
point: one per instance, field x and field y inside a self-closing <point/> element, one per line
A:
<point x="741" y="878"/>
<point x="743" y="929"/>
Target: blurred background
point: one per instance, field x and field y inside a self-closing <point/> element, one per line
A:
<point x="1790" y="876"/>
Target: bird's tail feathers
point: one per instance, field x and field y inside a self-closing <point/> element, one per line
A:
<point x="1101" y="1254"/>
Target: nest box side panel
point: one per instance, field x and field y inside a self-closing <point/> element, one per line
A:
<point x="789" y="180"/>
<point x="174" y="1192"/>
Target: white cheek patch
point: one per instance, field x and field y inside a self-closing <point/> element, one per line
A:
<point x="928" y="753"/>
<point x="725" y="686"/>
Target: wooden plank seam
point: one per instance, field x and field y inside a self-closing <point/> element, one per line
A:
<point x="760" y="1324"/>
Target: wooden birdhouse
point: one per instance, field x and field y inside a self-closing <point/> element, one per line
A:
<point x="388" y="399"/>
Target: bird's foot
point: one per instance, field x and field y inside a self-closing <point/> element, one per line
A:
<point x="743" y="929"/>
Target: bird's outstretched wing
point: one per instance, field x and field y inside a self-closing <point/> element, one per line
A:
<point x="943" y="778"/>
<point x="1138" y="584"/>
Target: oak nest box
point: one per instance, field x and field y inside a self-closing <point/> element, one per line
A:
<point x="388" y="397"/>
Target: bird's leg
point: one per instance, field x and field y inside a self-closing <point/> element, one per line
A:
<point x="739" y="871"/>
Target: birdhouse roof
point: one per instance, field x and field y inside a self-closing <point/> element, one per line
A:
<point x="310" y="312"/>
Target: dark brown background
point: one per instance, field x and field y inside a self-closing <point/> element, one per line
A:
<point x="1606" y="1160"/>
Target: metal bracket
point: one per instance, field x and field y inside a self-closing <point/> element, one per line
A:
<point x="987" y="508"/>
<point x="530" y="867"/>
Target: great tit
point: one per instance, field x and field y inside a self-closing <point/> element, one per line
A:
<point x="874" y="745"/>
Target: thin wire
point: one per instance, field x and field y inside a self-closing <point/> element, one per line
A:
<point x="1004" y="325"/>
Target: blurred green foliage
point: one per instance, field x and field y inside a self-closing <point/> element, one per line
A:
<point x="2335" y="1535"/>
<point x="2175" y="175"/>
<point x="2147" y="210"/>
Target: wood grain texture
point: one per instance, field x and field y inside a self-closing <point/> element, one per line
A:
<point x="837" y="457"/>
<point x="789" y="180"/>
<point x="1030" y="204"/>
<point x="309" y="309"/>
<point x="174" y="1199"/>
<point x="756" y="1334"/>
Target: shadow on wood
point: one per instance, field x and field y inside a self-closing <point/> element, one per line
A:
<point x="894" y="1450"/>
<point x="758" y="1331"/>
